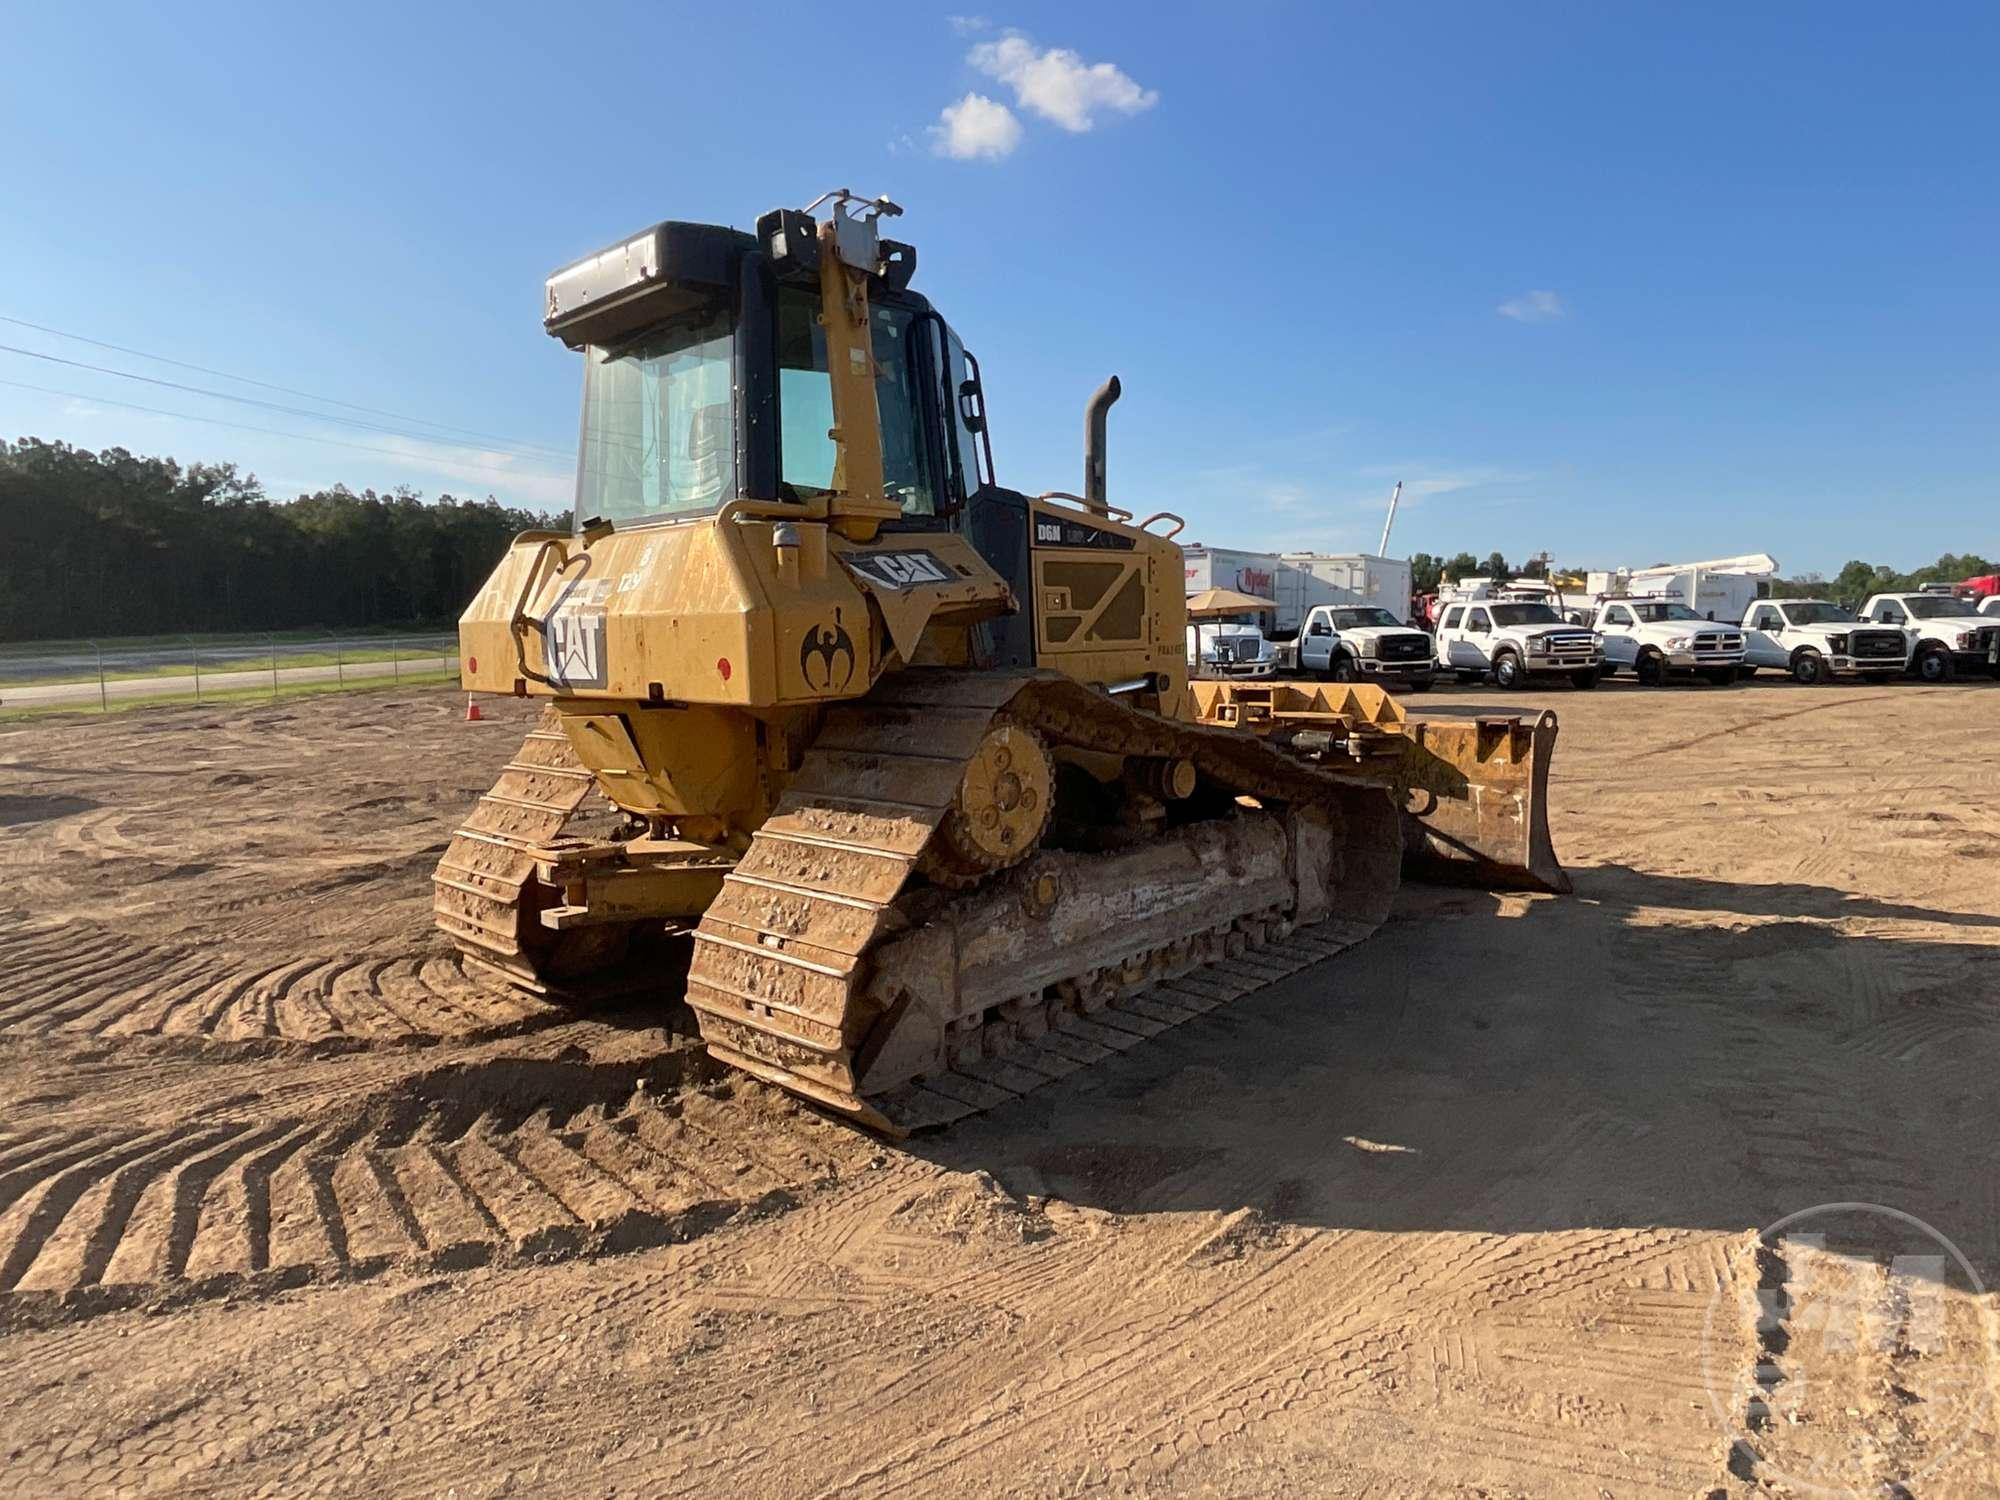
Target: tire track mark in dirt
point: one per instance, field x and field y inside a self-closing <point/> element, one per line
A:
<point x="95" y="983"/>
<point x="440" y="1174"/>
<point x="1708" y="736"/>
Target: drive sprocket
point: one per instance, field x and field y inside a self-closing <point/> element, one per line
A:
<point x="1000" y="810"/>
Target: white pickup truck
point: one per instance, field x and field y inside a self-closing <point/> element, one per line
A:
<point x="1515" y="642"/>
<point x="1947" y="635"/>
<point x="1816" y="640"/>
<point x="1364" y="642"/>
<point x="1655" y="639"/>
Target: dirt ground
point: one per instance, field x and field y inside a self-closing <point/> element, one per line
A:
<point x="290" y="1204"/>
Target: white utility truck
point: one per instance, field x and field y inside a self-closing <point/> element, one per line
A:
<point x="1515" y="640"/>
<point x="1716" y="588"/>
<point x="1816" y="640"/>
<point x="1947" y="635"/>
<point x="1365" y="643"/>
<point x="1656" y="639"/>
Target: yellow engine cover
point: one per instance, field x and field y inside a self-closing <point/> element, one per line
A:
<point x="750" y="611"/>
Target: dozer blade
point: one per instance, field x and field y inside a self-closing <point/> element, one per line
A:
<point x="1479" y="808"/>
<point x="1478" y="787"/>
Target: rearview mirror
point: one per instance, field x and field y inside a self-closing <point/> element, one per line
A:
<point x="972" y="406"/>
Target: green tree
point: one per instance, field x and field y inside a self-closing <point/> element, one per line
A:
<point x="1860" y="579"/>
<point x="113" y="544"/>
<point x="1425" y="572"/>
<point x="1495" y="567"/>
<point x="1464" y="565"/>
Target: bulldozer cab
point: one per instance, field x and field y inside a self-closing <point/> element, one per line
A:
<point x="723" y="366"/>
<point x="707" y="378"/>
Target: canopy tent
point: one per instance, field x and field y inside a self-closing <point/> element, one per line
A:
<point x="1212" y="602"/>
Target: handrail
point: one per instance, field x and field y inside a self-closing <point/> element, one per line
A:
<point x="1165" y="515"/>
<point x="745" y="508"/>
<point x="1108" y="510"/>
<point x="521" y="618"/>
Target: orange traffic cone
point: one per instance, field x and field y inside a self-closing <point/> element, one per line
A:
<point x="472" y="713"/>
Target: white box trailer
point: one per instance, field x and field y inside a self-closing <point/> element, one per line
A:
<point x="1299" y="580"/>
<point x="1253" y="573"/>
<point x="1349" y="578"/>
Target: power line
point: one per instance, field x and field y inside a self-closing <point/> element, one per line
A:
<point x="304" y="437"/>
<point x="266" y="385"/>
<point x="290" y="411"/>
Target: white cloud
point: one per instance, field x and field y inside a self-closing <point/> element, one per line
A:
<point x="970" y="25"/>
<point x="976" y="128"/>
<point x="1533" y="307"/>
<point x="1059" y="85"/>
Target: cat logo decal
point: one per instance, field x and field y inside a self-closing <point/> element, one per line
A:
<point x="831" y="651"/>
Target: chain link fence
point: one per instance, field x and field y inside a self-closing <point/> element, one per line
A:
<point x="104" y="675"/>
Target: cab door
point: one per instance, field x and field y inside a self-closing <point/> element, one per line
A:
<point x="1316" y="645"/>
<point x="1471" y="646"/>
<point x="1621" y="644"/>
<point x="1761" y="646"/>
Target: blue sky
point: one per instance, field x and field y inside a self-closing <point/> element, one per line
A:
<point x="1628" y="282"/>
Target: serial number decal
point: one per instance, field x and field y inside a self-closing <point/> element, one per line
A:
<point x="1061" y="531"/>
<point x="899" y="570"/>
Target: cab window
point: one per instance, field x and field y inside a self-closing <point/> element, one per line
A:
<point x="1889" y="614"/>
<point x="1763" y="619"/>
<point x="1478" y="622"/>
<point x="807" y="454"/>
<point x="965" y="409"/>
<point x="1618" y="615"/>
<point x="1451" y="617"/>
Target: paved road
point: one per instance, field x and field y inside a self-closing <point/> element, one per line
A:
<point x="49" y="694"/>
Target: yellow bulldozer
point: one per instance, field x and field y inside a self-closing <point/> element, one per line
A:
<point x="910" y="761"/>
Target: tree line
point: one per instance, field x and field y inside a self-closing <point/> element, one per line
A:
<point x="1427" y="571"/>
<point x="103" y="544"/>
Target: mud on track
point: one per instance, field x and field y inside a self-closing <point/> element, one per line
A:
<point x="289" y="1200"/>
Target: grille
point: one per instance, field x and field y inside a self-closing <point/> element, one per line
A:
<point x="1566" y="643"/>
<point x="1718" y="643"/>
<point x="1405" y="647"/>
<point x="1877" y="644"/>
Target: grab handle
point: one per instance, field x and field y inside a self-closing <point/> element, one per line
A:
<point x="517" y="625"/>
<point x="1092" y="506"/>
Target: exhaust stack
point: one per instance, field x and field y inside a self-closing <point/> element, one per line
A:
<point x="1094" y="415"/>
